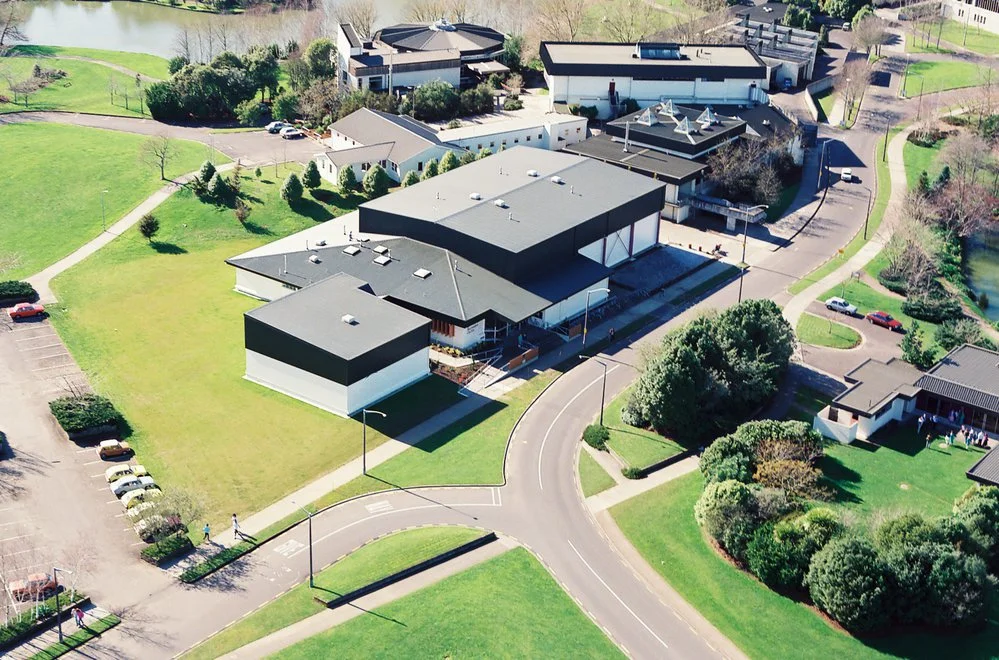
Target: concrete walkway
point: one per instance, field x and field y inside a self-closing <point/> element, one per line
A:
<point x="43" y="279"/>
<point x="327" y="619"/>
<point x="629" y="488"/>
<point x="37" y="644"/>
<point x="896" y="167"/>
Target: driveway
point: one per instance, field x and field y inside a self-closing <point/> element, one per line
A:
<point x="877" y="343"/>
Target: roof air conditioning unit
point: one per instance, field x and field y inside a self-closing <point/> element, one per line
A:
<point x="422" y="273"/>
<point x="533" y="173"/>
<point x="321" y="243"/>
<point x="382" y="260"/>
<point x="475" y="196"/>
<point x="557" y="180"/>
<point x="766" y="122"/>
<point x="381" y="249"/>
<point x="349" y="319"/>
<point x="500" y="203"/>
<point x="314" y="259"/>
<point x="351" y="250"/>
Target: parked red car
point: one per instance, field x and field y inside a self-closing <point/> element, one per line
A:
<point x="885" y="320"/>
<point x="25" y="310"/>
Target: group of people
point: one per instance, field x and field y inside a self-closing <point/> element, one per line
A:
<point x="968" y="434"/>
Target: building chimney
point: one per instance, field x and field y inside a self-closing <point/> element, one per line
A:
<point x="627" y="135"/>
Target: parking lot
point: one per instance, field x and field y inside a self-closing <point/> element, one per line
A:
<point x="55" y="505"/>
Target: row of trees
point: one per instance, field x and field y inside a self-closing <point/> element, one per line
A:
<point x="713" y="373"/>
<point x="757" y="505"/>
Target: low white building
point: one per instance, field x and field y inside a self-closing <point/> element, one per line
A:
<point x="604" y="75"/>
<point x="973" y="14"/>
<point x="551" y="131"/>
<point x="789" y="53"/>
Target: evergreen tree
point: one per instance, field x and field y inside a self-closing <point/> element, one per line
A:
<point x="310" y="177"/>
<point x="431" y="169"/>
<point x="449" y="162"/>
<point x="291" y="191"/>
<point x="376" y="181"/>
<point x="207" y="172"/>
<point x="411" y="177"/>
<point x="346" y="180"/>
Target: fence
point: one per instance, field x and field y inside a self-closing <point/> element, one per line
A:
<point x="814" y="88"/>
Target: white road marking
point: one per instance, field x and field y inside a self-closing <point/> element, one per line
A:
<point x="80" y="451"/>
<point x="378" y="507"/>
<point x="289" y="548"/>
<point x="38" y="348"/>
<point x="16" y="522"/>
<point x="14" y="538"/>
<point x="21" y="552"/>
<point x="623" y="604"/>
<point x="58" y="366"/>
<point x="580" y="393"/>
<point x="51" y="334"/>
<point x="92" y="463"/>
<point x="49" y="357"/>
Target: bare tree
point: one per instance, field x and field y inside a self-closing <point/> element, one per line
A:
<point x="157" y="151"/>
<point x="79" y="557"/>
<point x="853" y="82"/>
<point x="871" y="33"/>
<point x="560" y="20"/>
<point x="695" y="22"/>
<point x="426" y="11"/>
<point x="182" y="44"/>
<point x="630" y="21"/>
<point x="26" y="88"/>
<point x="362" y="14"/>
<point x="12" y="17"/>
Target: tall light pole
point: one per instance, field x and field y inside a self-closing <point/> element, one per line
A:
<point x="745" y="233"/>
<point x="884" y="152"/>
<point x="867" y="218"/>
<point x="586" y="313"/>
<point x="104" y="222"/>
<point x="603" y="389"/>
<point x="55" y="578"/>
<point x="312" y="580"/>
<point x="364" y="437"/>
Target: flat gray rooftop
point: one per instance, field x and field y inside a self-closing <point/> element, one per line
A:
<point x="534" y="208"/>
<point x="667" y="166"/>
<point x="968" y="374"/>
<point x="314" y="315"/>
<point x="623" y="54"/>
<point x="876" y="383"/>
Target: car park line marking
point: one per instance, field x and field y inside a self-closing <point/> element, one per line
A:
<point x="58" y="366"/>
<point x="51" y="334"/>
<point x="580" y="393"/>
<point x="113" y="501"/>
<point x="119" y="515"/>
<point x="38" y="348"/>
<point x="132" y="545"/>
<point x="49" y="357"/>
<point x="21" y="552"/>
<point x="92" y="463"/>
<point x="14" y="538"/>
<point x="80" y="451"/>
<point x="623" y="604"/>
<point x="94" y="476"/>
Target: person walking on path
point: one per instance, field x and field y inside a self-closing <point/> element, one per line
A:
<point x="78" y="617"/>
<point x="929" y="440"/>
<point x="920" y="422"/>
<point x="236" y="531"/>
<point x="208" y="533"/>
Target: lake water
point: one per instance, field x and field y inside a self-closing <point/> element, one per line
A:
<point x="983" y="269"/>
<point x="148" y="28"/>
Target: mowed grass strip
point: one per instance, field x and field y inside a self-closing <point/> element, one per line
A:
<point x="938" y="76"/>
<point x="819" y="331"/>
<point x="371" y="562"/>
<point x="68" y="167"/>
<point x="83" y="89"/>
<point x="637" y="447"/>
<point x="958" y="33"/>
<point x="593" y="478"/>
<point x="507" y="607"/>
<point x="148" y="65"/>
<point x="171" y="356"/>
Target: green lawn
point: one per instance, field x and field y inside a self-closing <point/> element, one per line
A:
<point x="365" y="565"/>
<point x="807" y="402"/>
<point x="919" y="159"/>
<point x="818" y="331"/>
<point x="147" y="65"/>
<point x="764" y="624"/>
<point x="84" y="89"/>
<point x="77" y="638"/>
<point x="929" y="77"/>
<point x="968" y="36"/>
<point x="75" y="165"/>
<point x="824" y="101"/>
<point x="787" y="195"/>
<point x="592" y="476"/>
<point x="196" y="423"/>
<point x="506" y="607"/>
<point x="877" y="214"/>
<point x="637" y="447"/>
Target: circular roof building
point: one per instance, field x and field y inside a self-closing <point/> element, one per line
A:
<point x="473" y="41"/>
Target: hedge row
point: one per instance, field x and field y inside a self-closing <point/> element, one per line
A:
<point x="215" y="562"/>
<point x="176" y="545"/>
<point x="24" y="625"/>
<point x="76" y="414"/>
<point x="17" y="291"/>
<point x="596" y="436"/>
<point x="936" y="307"/>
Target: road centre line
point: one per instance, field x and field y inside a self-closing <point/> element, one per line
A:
<point x="623" y="604"/>
<point x="580" y="393"/>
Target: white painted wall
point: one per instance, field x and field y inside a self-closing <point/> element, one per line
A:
<point x="464" y="338"/>
<point x="842" y="433"/>
<point x="334" y="397"/>
<point x="542" y="135"/>
<point x="974" y="17"/>
<point x="646" y="234"/>
<point x="261" y="287"/>
<point x="618" y="245"/>
<point x="572" y="306"/>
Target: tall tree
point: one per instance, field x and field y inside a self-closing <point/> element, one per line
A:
<point x="362" y="14"/>
<point x="320" y="55"/>
<point x="12" y="18"/>
<point x="631" y="20"/>
<point x="560" y="20"/>
<point x="148" y="226"/>
<point x="157" y="151"/>
<point x="263" y="69"/>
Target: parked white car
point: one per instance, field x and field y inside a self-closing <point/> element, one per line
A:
<point x="291" y="133"/>
<point x="128" y="484"/>
<point x="134" y="498"/>
<point x="117" y="472"/>
<point x="836" y="304"/>
<point x="275" y="126"/>
<point x="846" y="174"/>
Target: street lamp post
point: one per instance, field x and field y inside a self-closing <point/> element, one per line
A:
<point x="55" y="578"/>
<point x="312" y="581"/>
<point x="586" y="312"/>
<point x="867" y="218"/>
<point x="364" y="437"/>
<point x="744" y="235"/>
<point x="603" y="389"/>
<point x="104" y="223"/>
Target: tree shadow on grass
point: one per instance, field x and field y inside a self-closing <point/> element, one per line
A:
<point x="839" y="479"/>
<point x="312" y="210"/>
<point x="259" y="230"/>
<point x="167" y="248"/>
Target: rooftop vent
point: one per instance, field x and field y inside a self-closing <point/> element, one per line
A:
<point x="351" y="250"/>
<point x="380" y="249"/>
<point x="708" y="117"/>
<point x="442" y="25"/>
<point x="422" y="273"/>
<point x="766" y="122"/>
<point x="500" y="203"/>
<point x="533" y="173"/>
<point x="667" y="108"/>
<point x="475" y="196"/>
<point x="557" y="180"/>
<point x="382" y="260"/>
<point x="321" y="243"/>
<point x="349" y="319"/>
<point x="315" y="259"/>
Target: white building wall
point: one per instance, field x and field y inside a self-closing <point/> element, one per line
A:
<point x="618" y="247"/>
<point x="464" y="338"/>
<point x="261" y="287"/>
<point x="842" y="433"/>
<point x="572" y="306"/>
<point x="646" y="234"/>
<point x="624" y="243"/>
<point x="334" y="397"/>
<point x="974" y="17"/>
<point x="544" y="135"/>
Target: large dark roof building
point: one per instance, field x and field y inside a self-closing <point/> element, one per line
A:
<point x="472" y="41"/>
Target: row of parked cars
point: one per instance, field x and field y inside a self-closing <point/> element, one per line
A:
<point x="137" y="491"/>
<point x="285" y="130"/>
<point x="883" y="319"/>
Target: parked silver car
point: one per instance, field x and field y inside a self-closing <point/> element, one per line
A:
<point x="836" y="304"/>
<point x="122" y="486"/>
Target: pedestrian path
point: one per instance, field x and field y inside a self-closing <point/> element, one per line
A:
<point x="629" y="488"/>
<point x="37" y="644"/>
<point x="327" y="619"/>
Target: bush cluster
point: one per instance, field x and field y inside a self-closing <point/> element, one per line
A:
<point x="935" y="306"/>
<point x="171" y="547"/>
<point x="588" y="111"/>
<point x="76" y="414"/>
<point x="596" y="436"/>
<point x="17" y="291"/>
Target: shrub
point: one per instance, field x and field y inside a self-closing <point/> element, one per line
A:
<point x="22" y="626"/>
<point x="727" y="511"/>
<point x="953" y="333"/>
<point x="820" y="524"/>
<point x="630" y="106"/>
<point x="780" y="562"/>
<point x="978" y="510"/>
<point x="467" y="157"/>
<point x="19" y="291"/>
<point x="291" y="189"/>
<point x="910" y="567"/>
<point x="513" y="102"/>
<point x="310" y="176"/>
<point x="346" y="180"/>
<point x="448" y="162"/>
<point x="596" y="436"/>
<point x="206" y="172"/>
<point x="983" y="300"/>
<point x="913" y="350"/>
<point x="792" y="476"/>
<point x="632" y="415"/>
<point x="215" y="562"/>
<point x="631" y="472"/>
<point x="412" y="177"/>
<point x="251" y="112"/>
<point x="934" y="308"/>
<point x="727" y="458"/>
<point x="484" y="153"/>
<point x="376" y="181"/>
<point x="959" y="585"/>
<point x="455" y="123"/>
<point x="589" y="111"/>
<point x="849" y="581"/>
<point x="148" y="226"/>
<point x="176" y="545"/>
<point x="77" y="414"/>
<point x="257" y="172"/>
<point x="436" y="100"/>
<point x="218" y="188"/>
<point x="896" y="285"/>
<point x="907" y="530"/>
<point x="431" y="169"/>
<point x="176" y="64"/>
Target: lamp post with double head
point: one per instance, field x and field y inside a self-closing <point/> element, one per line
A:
<point x="745" y="233"/>
<point x="55" y="578"/>
<point x="586" y="312"/>
<point x="308" y="513"/>
<point x="364" y="436"/>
